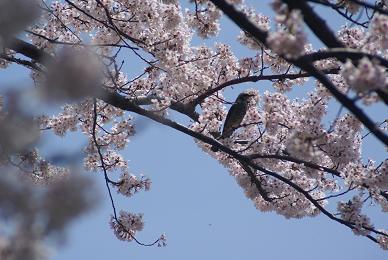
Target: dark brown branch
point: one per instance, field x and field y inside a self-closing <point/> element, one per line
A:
<point x="295" y="160"/>
<point x="29" y="50"/>
<point x="307" y="164"/>
<point x="342" y="54"/>
<point x="339" y="194"/>
<point x="256" y="181"/>
<point x="25" y="63"/>
<point x="55" y="41"/>
<point x="236" y="81"/>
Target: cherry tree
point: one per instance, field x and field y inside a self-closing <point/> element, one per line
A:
<point x="283" y="153"/>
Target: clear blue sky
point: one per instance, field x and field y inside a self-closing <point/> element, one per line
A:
<point x="200" y="207"/>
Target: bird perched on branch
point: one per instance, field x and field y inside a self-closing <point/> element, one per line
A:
<point x="235" y="116"/>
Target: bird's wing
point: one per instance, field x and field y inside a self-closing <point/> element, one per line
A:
<point x="231" y="123"/>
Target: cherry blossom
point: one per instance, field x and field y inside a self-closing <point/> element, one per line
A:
<point x="129" y="184"/>
<point x="367" y="76"/>
<point x="126" y="226"/>
<point x="350" y="211"/>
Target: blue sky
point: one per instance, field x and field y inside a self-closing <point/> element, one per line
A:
<point x="203" y="212"/>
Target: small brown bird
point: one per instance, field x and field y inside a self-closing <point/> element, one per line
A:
<point x="236" y="114"/>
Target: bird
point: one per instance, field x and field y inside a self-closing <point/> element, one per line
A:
<point x="235" y="116"/>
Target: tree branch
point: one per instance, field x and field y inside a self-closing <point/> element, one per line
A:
<point x="342" y="54"/>
<point x="273" y="77"/>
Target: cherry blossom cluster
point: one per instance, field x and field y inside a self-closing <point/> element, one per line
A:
<point x="205" y="21"/>
<point x="351" y="212"/>
<point x="344" y="140"/>
<point x="383" y="240"/>
<point x="127" y="225"/>
<point x="260" y="20"/>
<point x="248" y="66"/>
<point x="352" y="37"/>
<point x="284" y="43"/>
<point x="372" y="40"/>
<point x="289" y="40"/>
<point x="162" y="241"/>
<point x="129" y="184"/>
<point x="184" y="82"/>
<point x="369" y="177"/>
<point x="210" y="120"/>
<point x="367" y="76"/>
